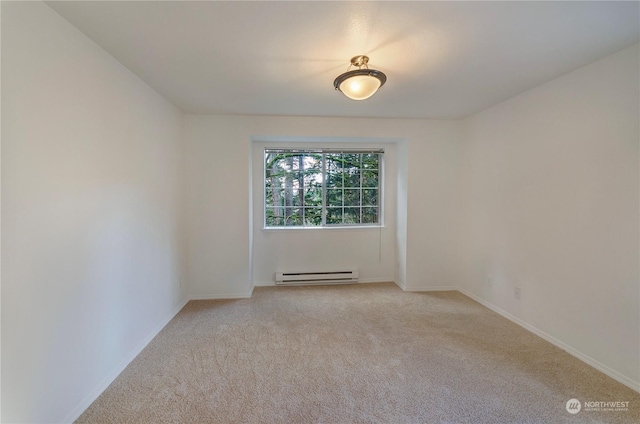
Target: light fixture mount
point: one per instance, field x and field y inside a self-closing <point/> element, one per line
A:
<point x="360" y="83"/>
<point x="360" y="61"/>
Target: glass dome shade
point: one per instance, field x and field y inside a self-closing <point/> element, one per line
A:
<point x="360" y="84"/>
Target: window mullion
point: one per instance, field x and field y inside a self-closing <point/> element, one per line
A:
<point x="301" y="187"/>
<point x="342" y="161"/>
<point x="379" y="190"/>
<point x="360" y="197"/>
<point x="324" y="190"/>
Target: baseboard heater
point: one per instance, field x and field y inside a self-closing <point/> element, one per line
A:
<point x="316" y="277"/>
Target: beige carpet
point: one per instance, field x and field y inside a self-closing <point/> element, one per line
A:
<point x="367" y="353"/>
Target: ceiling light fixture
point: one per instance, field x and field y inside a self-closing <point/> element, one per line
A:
<point x="360" y="83"/>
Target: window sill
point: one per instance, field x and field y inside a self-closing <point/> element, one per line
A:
<point x="351" y="228"/>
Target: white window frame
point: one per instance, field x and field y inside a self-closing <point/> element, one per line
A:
<point x="323" y="151"/>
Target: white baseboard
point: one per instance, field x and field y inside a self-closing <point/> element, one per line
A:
<point x="634" y="385"/>
<point x="401" y="285"/>
<point x="428" y="289"/>
<point x="220" y="296"/>
<point x="375" y="280"/>
<point x="93" y="395"/>
<point x="361" y="281"/>
<point x="264" y="284"/>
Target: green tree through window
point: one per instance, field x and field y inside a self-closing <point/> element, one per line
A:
<point x="322" y="187"/>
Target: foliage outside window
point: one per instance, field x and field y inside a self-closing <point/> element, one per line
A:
<point x="314" y="188"/>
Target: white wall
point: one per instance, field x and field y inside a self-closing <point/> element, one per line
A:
<point x="219" y="231"/>
<point x="550" y="202"/>
<point x="217" y="160"/>
<point x="91" y="220"/>
<point x="433" y="207"/>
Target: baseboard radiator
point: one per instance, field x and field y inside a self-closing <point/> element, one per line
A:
<point x="316" y="277"/>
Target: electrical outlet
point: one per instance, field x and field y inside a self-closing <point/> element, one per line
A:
<point x="517" y="293"/>
<point x="489" y="282"/>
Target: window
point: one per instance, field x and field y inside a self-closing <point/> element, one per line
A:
<point x="322" y="187"/>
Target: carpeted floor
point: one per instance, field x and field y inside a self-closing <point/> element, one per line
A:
<point x="367" y="353"/>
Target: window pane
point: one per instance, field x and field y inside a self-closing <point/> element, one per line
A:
<point x="335" y="180"/>
<point x="334" y="215"/>
<point x="334" y="197"/>
<point x="297" y="198"/>
<point x="292" y="217"/>
<point x="351" y="172"/>
<point x="334" y="173"/>
<point x="313" y="196"/>
<point x="370" y="160"/>
<point x="269" y="198"/>
<point x="275" y="181"/>
<point x="352" y="215"/>
<point x="369" y="215"/>
<point x="351" y="197"/>
<point x="288" y="197"/>
<point x="277" y="164"/>
<point x="352" y="178"/>
<point x="369" y="197"/>
<point x="351" y="161"/>
<point x="313" y="216"/>
<point x="312" y="178"/>
<point x="297" y="162"/>
<point x="334" y="162"/>
<point x="274" y="197"/>
<point x="370" y="179"/>
<point x="275" y="221"/>
<point x="274" y="217"/>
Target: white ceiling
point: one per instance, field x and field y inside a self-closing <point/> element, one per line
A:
<point x="442" y="59"/>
